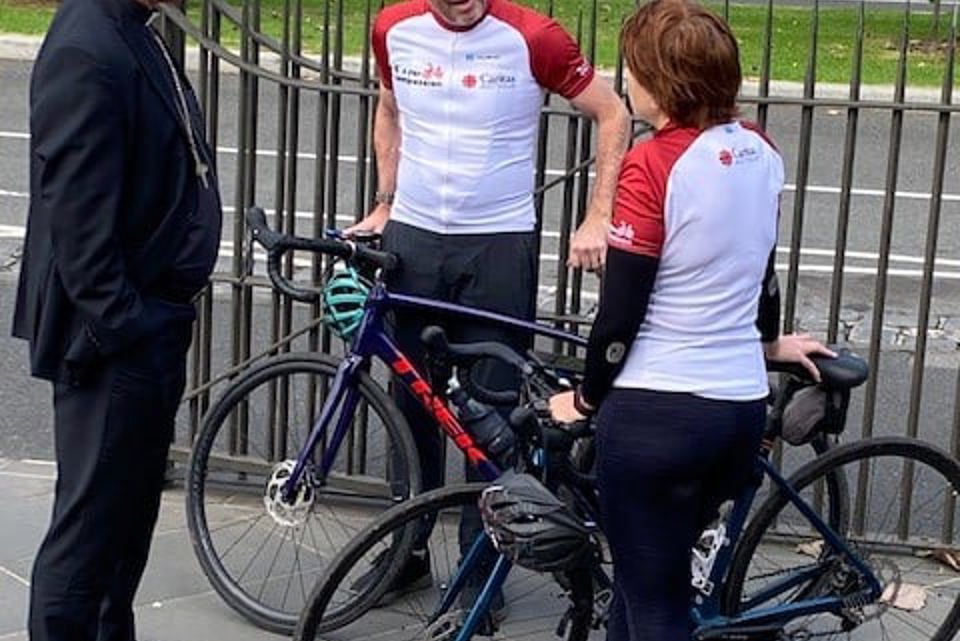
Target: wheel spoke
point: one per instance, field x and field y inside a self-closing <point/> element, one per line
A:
<point x="266" y="566"/>
<point x="893" y="559"/>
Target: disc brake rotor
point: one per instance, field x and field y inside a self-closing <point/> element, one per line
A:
<point x="292" y="513"/>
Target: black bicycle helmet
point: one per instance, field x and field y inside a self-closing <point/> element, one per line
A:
<point x="532" y="527"/>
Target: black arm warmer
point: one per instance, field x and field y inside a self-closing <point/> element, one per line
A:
<point x="625" y="292"/>
<point x="768" y="310"/>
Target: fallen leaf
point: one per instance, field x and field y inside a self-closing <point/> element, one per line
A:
<point x="811" y="548"/>
<point x="904" y="596"/>
<point x="949" y="558"/>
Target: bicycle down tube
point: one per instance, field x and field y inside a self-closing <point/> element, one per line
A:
<point x="372" y="340"/>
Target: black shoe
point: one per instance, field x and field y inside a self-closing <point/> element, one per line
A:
<point x="414" y="575"/>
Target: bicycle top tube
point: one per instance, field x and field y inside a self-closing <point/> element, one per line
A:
<point x="381" y="297"/>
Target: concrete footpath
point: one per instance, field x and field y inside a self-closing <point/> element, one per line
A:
<point x="175" y="602"/>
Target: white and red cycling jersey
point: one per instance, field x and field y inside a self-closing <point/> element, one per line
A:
<point x="469" y="103"/>
<point x="705" y="204"/>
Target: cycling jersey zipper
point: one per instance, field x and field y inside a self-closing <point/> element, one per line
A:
<point x="447" y="107"/>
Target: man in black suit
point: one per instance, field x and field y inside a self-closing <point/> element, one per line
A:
<point x="123" y="232"/>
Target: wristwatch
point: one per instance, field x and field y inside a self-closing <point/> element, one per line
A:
<point x="383" y="197"/>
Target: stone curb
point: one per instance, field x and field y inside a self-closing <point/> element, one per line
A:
<point x="20" y="47"/>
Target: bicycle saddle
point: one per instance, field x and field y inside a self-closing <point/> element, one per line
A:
<point x="846" y="371"/>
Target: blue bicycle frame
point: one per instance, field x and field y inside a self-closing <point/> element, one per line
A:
<point x="755" y="612"/>
<point x="372" y="340"/>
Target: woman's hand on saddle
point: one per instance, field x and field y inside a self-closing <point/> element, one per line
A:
<point x="797" y="348"/>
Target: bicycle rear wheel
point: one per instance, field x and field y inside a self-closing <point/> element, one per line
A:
<point x="261" y="556"/>
<point x="346" y="604"/>
<point x="902" y="497"/>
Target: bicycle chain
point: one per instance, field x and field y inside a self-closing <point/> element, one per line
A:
<point x="852" y="602"/>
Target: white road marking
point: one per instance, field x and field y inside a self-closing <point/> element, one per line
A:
<point x="812" y="189"/>
<point x="348" y="218"/>
<point x="12" y="231"/>
<point x="28" y="475"/>
<point x="227" y="247"/>
<point x="16" y="577"/>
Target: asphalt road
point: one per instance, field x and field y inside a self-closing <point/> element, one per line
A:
<point x="24" y="418"/>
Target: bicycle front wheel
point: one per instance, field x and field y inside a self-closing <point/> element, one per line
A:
<point x="262" y="554"/>
<point x="379" y="589"/>
<point x="902" y="523"/>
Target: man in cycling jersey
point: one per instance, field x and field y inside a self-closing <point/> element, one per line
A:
<point x="462" y="84"/>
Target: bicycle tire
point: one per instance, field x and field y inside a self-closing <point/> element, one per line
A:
<point x="859" y="463"/>
<point x="324" y="617"/>
<point x="206" y="527"/>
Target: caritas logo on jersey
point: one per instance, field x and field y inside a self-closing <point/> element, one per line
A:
<point x="738" y="156"/>
<point x="621" y="233"/>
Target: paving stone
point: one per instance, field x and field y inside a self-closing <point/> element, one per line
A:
<point x="896" y="318"/>
<point x="851" y="315"/>
<point x="14" y="595"/>
<point x="172" y="570"/>
<point x="812" y="325"/>
<point x="24" y="516"/>
<point x="941" y="344"/>
<point x="194" y="618"/>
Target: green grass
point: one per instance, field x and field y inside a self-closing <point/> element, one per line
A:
<point x="790" y="37"/>
<point x="30" y="18"/>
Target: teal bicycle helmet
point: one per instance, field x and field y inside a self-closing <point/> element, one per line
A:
<point x="344" y="296"/>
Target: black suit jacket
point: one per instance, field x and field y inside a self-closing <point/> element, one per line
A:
<point x="111" y="184"/>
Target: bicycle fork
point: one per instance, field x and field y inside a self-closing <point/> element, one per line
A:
<point x="342" y="393"/>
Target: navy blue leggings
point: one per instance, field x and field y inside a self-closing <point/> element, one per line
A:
<point x="666" y="461"/>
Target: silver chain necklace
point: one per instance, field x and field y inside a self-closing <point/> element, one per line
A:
<point x="201" y="167"/>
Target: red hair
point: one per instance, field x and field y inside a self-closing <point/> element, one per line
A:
<point x="686" y="58"/>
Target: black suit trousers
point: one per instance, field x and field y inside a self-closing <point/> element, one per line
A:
<point x="494" y="272"/>
<point x="113" y="435"/>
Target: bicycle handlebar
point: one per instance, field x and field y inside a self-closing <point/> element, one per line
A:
<point x="468" y="355"/>
<point x="277" y="244"/>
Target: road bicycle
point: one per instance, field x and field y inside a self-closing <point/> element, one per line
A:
<point x="848" y="547"/>
<point x="303" y="449"/>
<point x="560" y="457"/>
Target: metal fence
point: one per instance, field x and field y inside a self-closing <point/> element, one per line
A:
<point x="869" y="228"/>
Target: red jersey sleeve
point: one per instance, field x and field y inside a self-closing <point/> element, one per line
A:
<point x="637" y="226"/>
<point x="379" y="43"/>
<point x="557" y="63"/>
